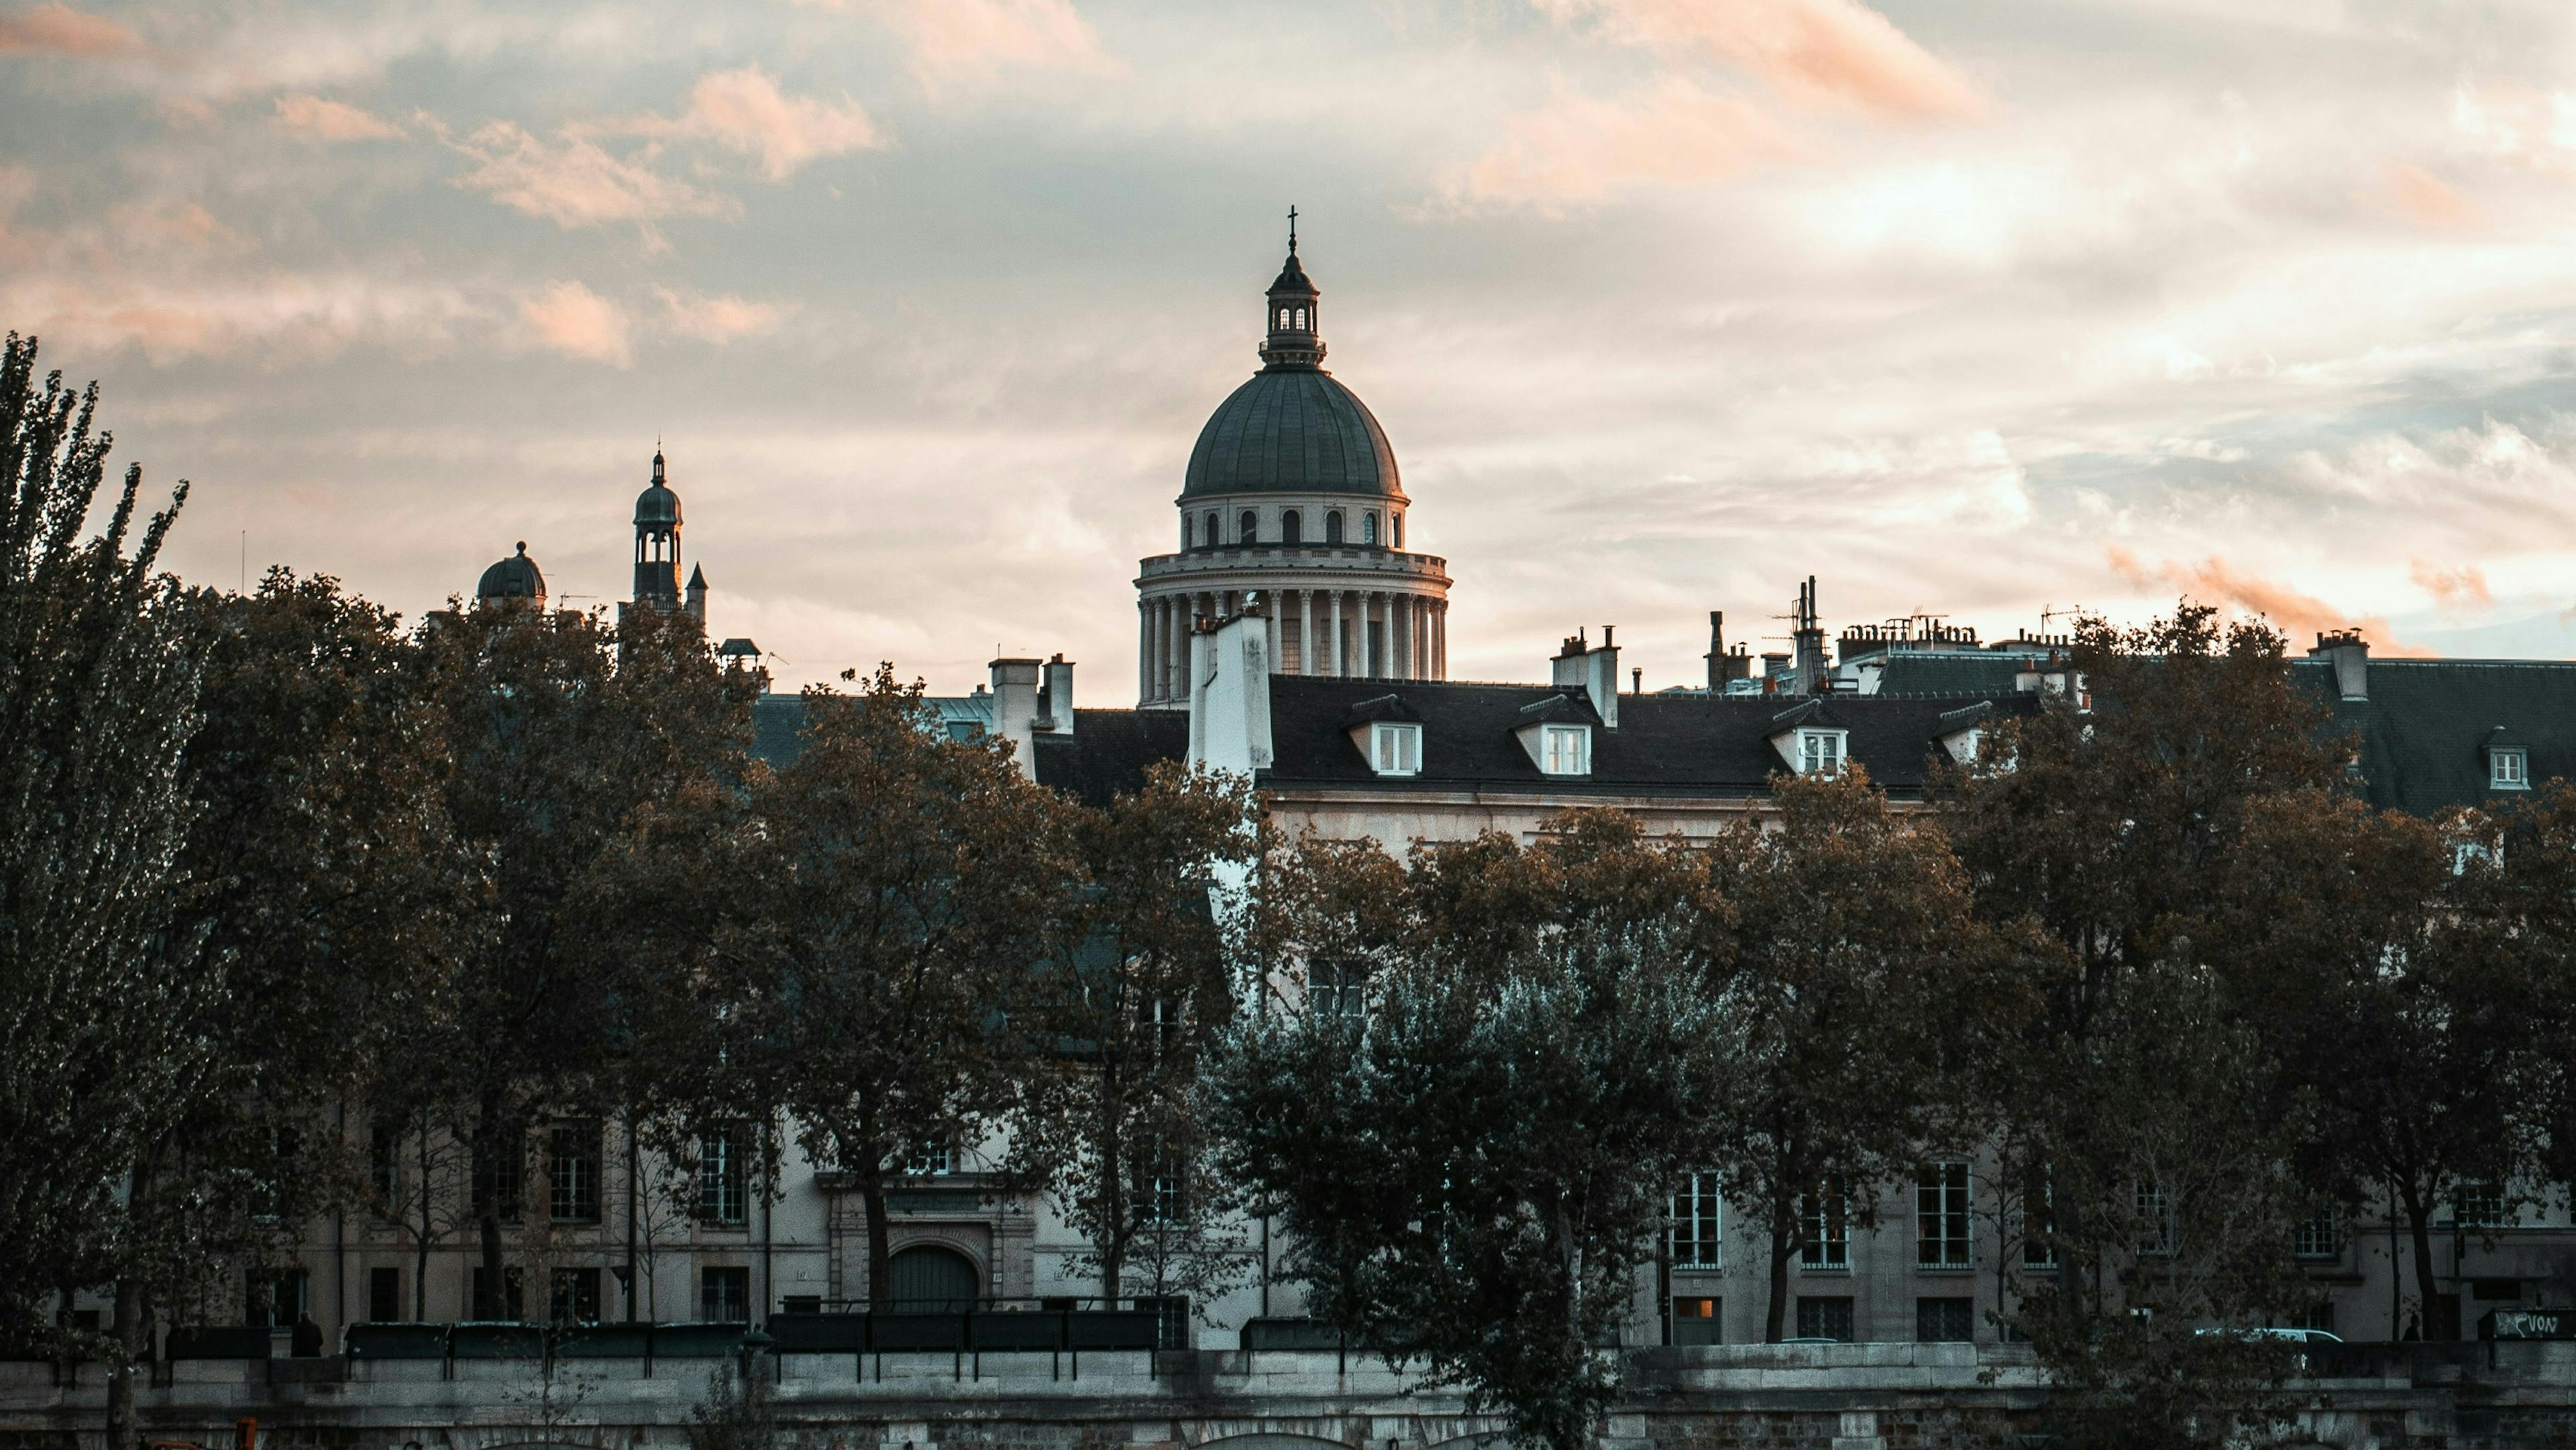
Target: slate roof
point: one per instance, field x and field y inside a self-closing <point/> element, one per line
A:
<point x="2424" y="730"/>
<point x="1107" y="753"/>
<point x="1293" y="430"/>
<point x="778" y="721"/>
<point x="1926" y="672"/>
<point x="516" y="577"/>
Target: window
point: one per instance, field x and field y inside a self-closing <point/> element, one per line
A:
<point x="384" y="1295"/>
<point x="1368" y="527"/>
<point x="724" y="1180"/>
<point x="574" y="1296"/>
<point x="1337" y="989"/>
<point x="502" y="1178"/>
<point x="932" y="1157"/>
<point x="1333" y="527"/>
<point x="384" y="1165"/>
<point x="724" y="1295"/>
<point x="2508" y="769"/>
<point x="2155" y="1219"/>
<point x="1698" y="1224"/>
<point x="1825" y="1221"/>
<point x="1301" y="317"/>
<point x="2038" y="1224"/>
<point x="274" y="1297"/>
<point x="1171" y="1318"/>
<point x="1820" y="753"/>
<point x="1396" y="522"/>
<point x="1699" y="1321"/>
<point x="1166" y="1196"/>
<point x="1944" y="1238"/>
<point x="2482" y="1205"/>
<point x="1945" y="1321"/>
<point x="1207" y="532"/>
<point x="1825" y="1317"/>
<point x="1251" y="530"/>
<point x="1395" y="748"/>
<point x="1291" y="528"/>
<point x="2317" y="1237"/>
<point x="572" y="1173"/>
<point x="1565" y="750"/>
<point x="512" y="1303"/>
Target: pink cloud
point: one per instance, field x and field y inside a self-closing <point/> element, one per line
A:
<point x="326" y="120"/>
<point x="569" y="318"/>
<point x="574" y="182"/>
<point x="2215" y="581"/>
<point x="62" y="30"/>
<point x="1578" y="149"/>
<point x="719" y="319"/>
<point x="272" y="318"/>
<point x="1833" y="53"/>
<point x="743" y="110"/>
<point x="971" y="42"/>
<point x="2464" y="588"/>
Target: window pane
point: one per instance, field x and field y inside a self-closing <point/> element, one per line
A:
<point x="1697" y="1222"/>
<point x="1944" y="1238"/>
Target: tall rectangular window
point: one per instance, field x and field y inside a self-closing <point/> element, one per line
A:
<point x="503" y="1178"/>
<point x="724" y="1295"/>
<point x="1825" y="1317"/>
<point x="572" y="1173"/>
<point x="575" y="1296"/>
<point x="724" y="1177"/>
<point x="384" y="1295"/>
<point x="1698" y="1214"/>
<point x="2155" y="1218"/>
<point x="1826" y="1229"/>
<point x="2317" y="1236"/>
<point x="2038" y="1224"/>
<point x="1944" y="1237"/>
<point x="384" y="1165"/>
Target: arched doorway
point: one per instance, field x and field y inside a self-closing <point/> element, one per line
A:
<point x="928" y="1279"/>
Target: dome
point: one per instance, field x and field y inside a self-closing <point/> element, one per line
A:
<point x="657" y="504"/>
<point x="1292" y="430"/>
<point x="513" y="578"/>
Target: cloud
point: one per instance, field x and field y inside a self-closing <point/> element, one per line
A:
<point x="2214" y="581"/>
<point x="2426" y="199"/>
<point x="743" y="110"/>
<point x="325" y="120"/>
<point x="61" y="30"/>
<point x="1831" y="53"/>
<point x="2463" y="589"/>
<point x="972" y="42"/>
<point x="1579" y="149"/>
<point x="719" y="319"/>
<point x="571" y="319"/>
<point x="574" y="182"/>
<point x="276" y="318"/>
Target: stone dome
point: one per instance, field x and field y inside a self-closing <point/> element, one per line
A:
<point x="1292" y="430"/>
<point x="515" y="577"/>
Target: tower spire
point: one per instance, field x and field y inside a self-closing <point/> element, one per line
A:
<point x="1292" y="229"/>
<point x="1292" y="336"/>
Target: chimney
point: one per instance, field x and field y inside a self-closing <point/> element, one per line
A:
<point x="1596" y="670"/>
<point x="1055" y="697"/>
<point x="1230" y="700"/>
<point x="1810" y="641"/>
<point x="1015" y="709"/>
<point x="2349" y="653"/>
<point x="1636" y="681"/>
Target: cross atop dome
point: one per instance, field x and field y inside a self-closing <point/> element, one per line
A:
<point x="1294" y="339"/>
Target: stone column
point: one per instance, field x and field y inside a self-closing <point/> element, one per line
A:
<point x="1422" y="635"/>
<point x="1340" y="661"/>
<point x="1440" y="642"/>
<point x="1408" y="660"/>
<point x="1305" y="631"/>
<point x="1144" y="649"/>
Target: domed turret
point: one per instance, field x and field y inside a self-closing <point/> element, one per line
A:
<point x="657" y="542"/>
<point x="514" y="579"/>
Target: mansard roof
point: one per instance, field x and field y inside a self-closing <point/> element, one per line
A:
<point x="2423" y="732"/>
<point x="1108" y="751"/>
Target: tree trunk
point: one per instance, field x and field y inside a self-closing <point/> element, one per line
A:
<point x="127" y="1330"/>
<point x="490" y="1142"/>
<point x="2419" y="1212"/>
<point x="872" y="1193"/>
<point x="1776" y="1314"/>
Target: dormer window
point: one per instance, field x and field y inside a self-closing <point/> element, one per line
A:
<point x="1395" y="747"/>
<point x="2508" y="768"/>
<point x="1820" y="753"/>
<point x="1565" y="750"/>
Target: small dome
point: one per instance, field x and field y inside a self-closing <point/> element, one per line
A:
<point x="1292" y="431"/>
<point x="513" y="578"/>
<point x="657" y="504"/>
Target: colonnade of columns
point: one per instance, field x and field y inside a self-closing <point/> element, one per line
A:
<point x="1378" y="633"/>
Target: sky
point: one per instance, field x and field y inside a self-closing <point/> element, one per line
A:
<point x="1991" y="311"/>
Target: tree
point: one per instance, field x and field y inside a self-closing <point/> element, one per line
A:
<point x="2150" y="1124"/>
<point x="1862" y="979"/>
<point x="886" y="912"/>
<point x="1137" y="986"/>
<point x="557" y="735"/>
<point x="102" y="979"/>
<point x="2389" y="981"/>
<point x="1471" y="1158"/>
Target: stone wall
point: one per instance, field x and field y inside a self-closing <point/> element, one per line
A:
<point x="1736" y="1397"/>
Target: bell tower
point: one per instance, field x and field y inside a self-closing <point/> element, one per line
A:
<point x="657" y="542"/>
<point x="1294" y="335"/>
